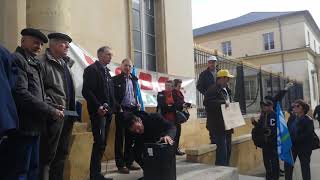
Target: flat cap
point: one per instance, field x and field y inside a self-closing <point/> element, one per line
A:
<point x="34" y="33"/>
<point x="60" y="36"/>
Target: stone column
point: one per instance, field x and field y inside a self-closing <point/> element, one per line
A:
<point x="12" y="21"/>
<point x="49" y="15"/>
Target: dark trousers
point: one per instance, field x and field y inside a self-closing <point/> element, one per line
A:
<point x="178" y="134"/>
<point x="48" y="146"/>
<point x="57" y="165"/>
<point x="138" y="151"/>
<point x="100" y="131"/>
<point x="304" y="157"/>
<point x="123" y="154"/>
<point x="22" y="158"/>
<point x="223" y="151"/>
<point x="271" y="163"/>
<point x="211" y="135"/>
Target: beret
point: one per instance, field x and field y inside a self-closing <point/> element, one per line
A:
<point x="34" y="33"/>
<point x="60" y="36"/>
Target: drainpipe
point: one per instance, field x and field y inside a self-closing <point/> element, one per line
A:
<point x="281" y="46"/>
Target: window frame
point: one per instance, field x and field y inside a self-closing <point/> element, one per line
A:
<point x="268" y="41"/>
<point x="226" y="48"/>
<point x="143" y="35"/>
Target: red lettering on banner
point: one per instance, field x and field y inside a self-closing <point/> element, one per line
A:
<point x="117" y="71"/>
<point x="162" y="81"/>
<point x="145" y="81"/>
<point x="88" y="59"/>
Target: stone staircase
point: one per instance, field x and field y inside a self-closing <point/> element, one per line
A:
<point x="185" y="171"/>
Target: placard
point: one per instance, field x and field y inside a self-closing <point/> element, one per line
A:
<point x="232" y="116"/>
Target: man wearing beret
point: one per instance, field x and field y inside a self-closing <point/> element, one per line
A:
<point x="60" y="91"/>
<point x="29" y="96"/>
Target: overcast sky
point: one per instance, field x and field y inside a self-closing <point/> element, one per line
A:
<point x="205" y="12"/>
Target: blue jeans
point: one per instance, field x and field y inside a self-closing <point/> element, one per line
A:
<point x="223" y="151"/>
<point x="23" y="158"/>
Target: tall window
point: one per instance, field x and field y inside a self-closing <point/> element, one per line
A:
<point x="143" y="30"/>
<point x="226" y="48"/>
<point x="315" y="46"/>
<point x="268" y="41"/>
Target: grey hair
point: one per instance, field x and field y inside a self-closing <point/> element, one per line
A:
<point x="103" y="49"/>
<point x="53" y="42"/>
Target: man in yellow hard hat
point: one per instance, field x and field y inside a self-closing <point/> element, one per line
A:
<point x="216" y="95"/>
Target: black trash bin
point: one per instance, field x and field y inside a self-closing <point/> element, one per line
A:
<point x="159" y="161"/>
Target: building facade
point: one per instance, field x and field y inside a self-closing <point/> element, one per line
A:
<point x="281" y="42"/>
<point x="144" y="30"/>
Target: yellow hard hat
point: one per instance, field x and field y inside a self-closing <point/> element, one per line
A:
<point x="224" y="73"/>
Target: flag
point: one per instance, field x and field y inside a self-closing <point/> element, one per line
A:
<point x="283" y="138"/>
<point x="139" y="96"/>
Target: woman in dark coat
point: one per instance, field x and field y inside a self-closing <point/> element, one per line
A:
<point x="180" y="104"/>
<point x="166" y="106"/>
<point x="301" y="129"/>
<point x="169" y="101"/>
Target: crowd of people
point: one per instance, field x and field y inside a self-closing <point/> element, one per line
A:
<point x="213" y="84"/>
<point x="38" y="103"/>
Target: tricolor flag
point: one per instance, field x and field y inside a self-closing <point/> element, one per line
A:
<point x="283" y="138"/>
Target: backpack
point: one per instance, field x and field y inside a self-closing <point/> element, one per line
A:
<point x="258" y="134"/>
<point x="258" y="137"/>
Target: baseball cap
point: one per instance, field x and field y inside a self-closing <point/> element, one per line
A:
<point x="212" y="58"/>
<point x="266" y="102"/>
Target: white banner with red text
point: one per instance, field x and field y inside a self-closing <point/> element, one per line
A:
<point x="150" y="82"/>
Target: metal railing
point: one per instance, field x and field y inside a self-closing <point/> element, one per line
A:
<point x="250" y="84"/>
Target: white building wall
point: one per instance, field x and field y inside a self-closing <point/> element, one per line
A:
<point x="312" y="37"/>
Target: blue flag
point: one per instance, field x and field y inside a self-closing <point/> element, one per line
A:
<point x="139" y="97"/>
<point x="283" y="138"/>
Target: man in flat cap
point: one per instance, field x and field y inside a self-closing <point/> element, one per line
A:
<point x="29" y="96"/>
<point x="60" y="90"/>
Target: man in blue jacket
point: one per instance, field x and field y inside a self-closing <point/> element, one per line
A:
<point x="8" y="73"/>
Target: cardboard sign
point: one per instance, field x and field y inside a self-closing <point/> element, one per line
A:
<point x="232" y="116"/>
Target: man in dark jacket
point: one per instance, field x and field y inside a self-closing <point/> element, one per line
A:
<point x="29" y="97"/>
<point x="60" y="91"/>
<point x="125" y="90"/>
<point x="98" y="92"/>
<point x="208" y="76"/>
<point x="8" y="73"/>
<point x="148" y="128"/>
<point x="216" y="95"/>
<point x="206" y="79"/>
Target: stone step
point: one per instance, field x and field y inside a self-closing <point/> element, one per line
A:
<point x="185" y="171"/>
<point x="79" y="127"/>
<point x="244" y="177"/>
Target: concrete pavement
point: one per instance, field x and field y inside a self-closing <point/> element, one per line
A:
<point x="314" y="165"/>
<point x="186" y="171"/>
